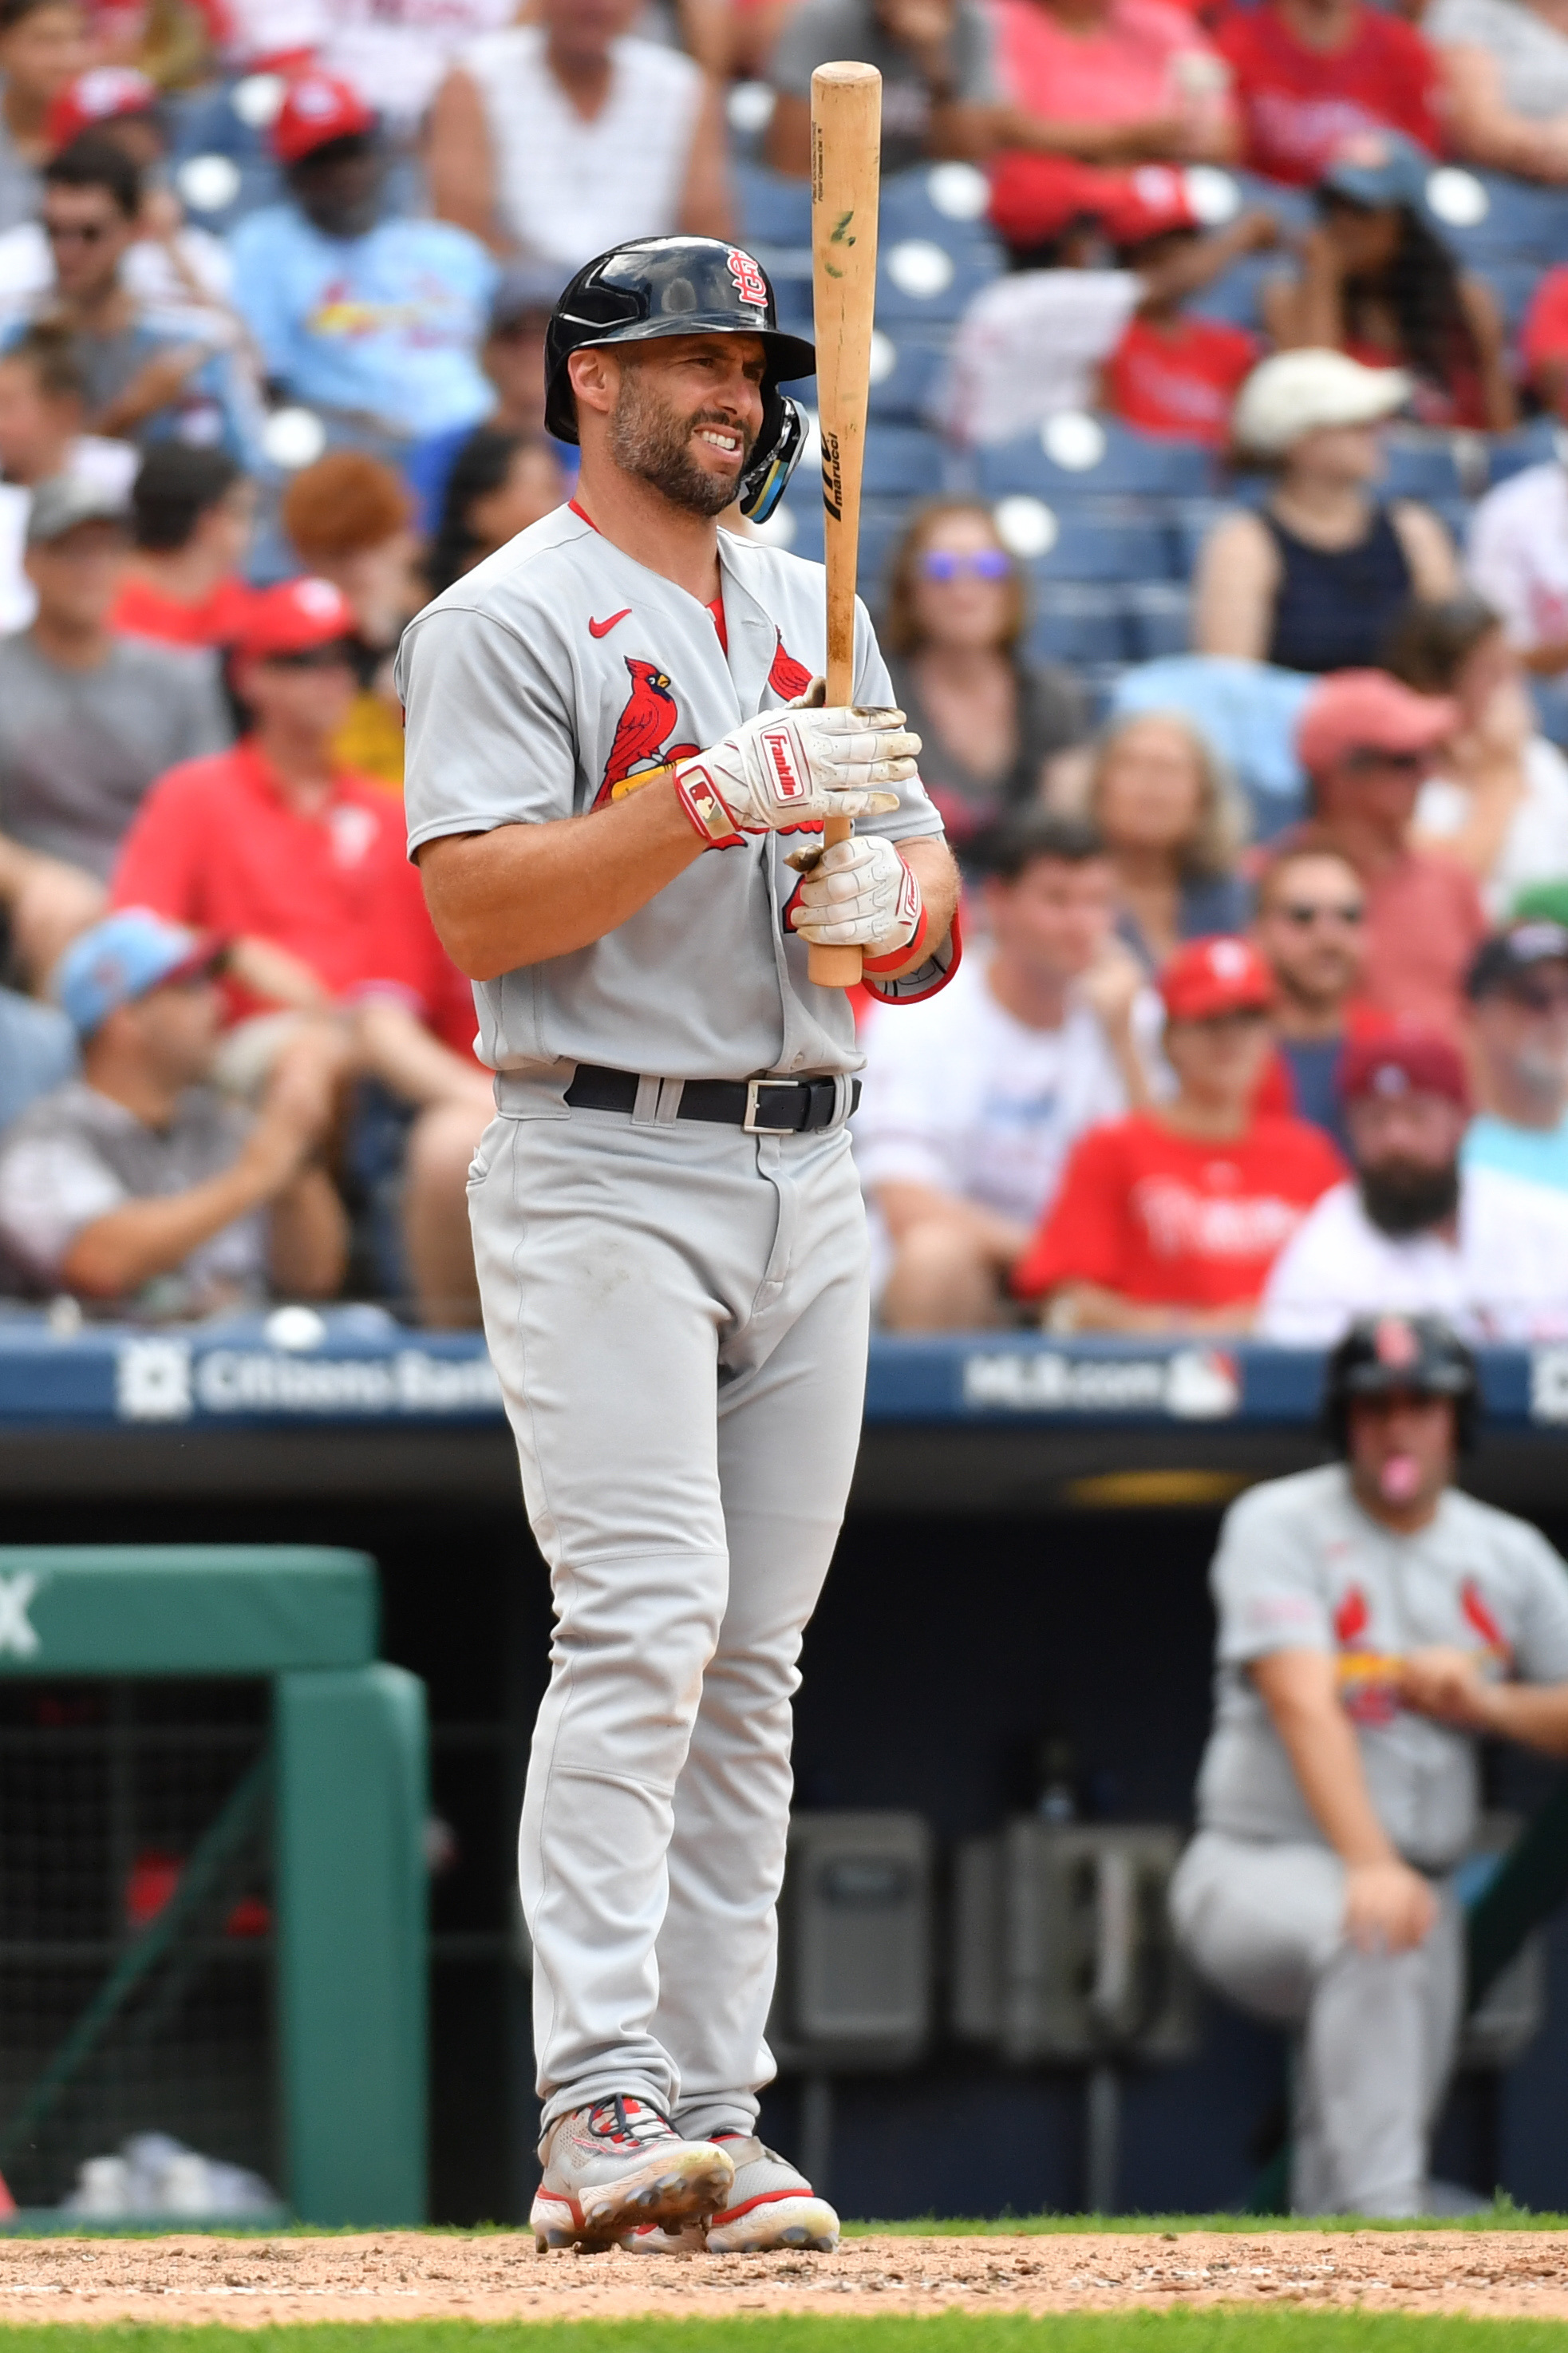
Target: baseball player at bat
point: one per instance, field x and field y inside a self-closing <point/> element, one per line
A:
<point x="615" y="749"/>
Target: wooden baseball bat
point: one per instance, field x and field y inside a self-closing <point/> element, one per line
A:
<point x="846" y="166"/>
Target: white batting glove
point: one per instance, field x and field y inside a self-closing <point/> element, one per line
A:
<point x="860" y="894"/>
<point x="796" y="767"/>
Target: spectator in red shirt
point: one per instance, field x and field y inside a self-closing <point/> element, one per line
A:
<point x="1170" y="1219"/>
<point x="302" y="864"/>
<point x="1367" y="744"/>
<point x="192" y="511"/>
<point x="1309" y="74"/>
<point x="1174" y="372"/>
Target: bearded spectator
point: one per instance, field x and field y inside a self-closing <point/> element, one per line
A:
<point x="1415" y="1229"/>
<point x="1169" y="1221"/>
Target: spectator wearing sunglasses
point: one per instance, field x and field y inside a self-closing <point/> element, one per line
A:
<point x="1368" y="745"/>
<point x="991" y="720"/>
<point x="1310" y="930"/>
<point x="302" y="864"/>
<point x="1517" y="989"/>
<point x="1497" y="801"/>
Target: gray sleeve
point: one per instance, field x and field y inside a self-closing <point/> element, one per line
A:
<point x="874" y="690"/>
<point x="812" y="33"/>
<point x="1266" y="1592"/>
<point x="208" y="726"/>
<point x="1542" y="1650"/>
<point x="489" y="738"/>
<point x="50" y="1188"/>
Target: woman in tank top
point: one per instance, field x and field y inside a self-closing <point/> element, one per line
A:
<point x="1319" y="575"/>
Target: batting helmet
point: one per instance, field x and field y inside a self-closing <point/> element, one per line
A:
<point x="658" y="286"/>
<point x="1382" y="1354"/>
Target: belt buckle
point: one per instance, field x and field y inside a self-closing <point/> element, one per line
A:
<point x="753" y="1098"/>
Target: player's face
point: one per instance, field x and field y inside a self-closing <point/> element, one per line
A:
<point x="1056" y="917"/>
<point x="1401" y="1450"/>
<point x="687" y="412"/>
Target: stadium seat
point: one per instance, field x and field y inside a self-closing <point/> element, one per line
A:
<point x="1520" y="223"/>
<point x="917" y="279"/>
<point x="945" y="203"/>
<point x="904" y="371"/>
<point x="1072" y="456"/>
<point x="1158" y="615"/>
<point x="798" y="526"/>
<point x="903" y="461"/>
<point x="1107" y="547"/>
<point x="1191" y="523"/>
<point x="220" y="161"/>
<point x="772" y="210"/>
<point x="1513" y="283"/>
<point x="1078" y="625"/>
<point x="1537" y="444"/>
<point x="1423" y="466"/>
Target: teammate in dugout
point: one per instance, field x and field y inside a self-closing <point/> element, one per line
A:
<point x="1374" y="1625"/>
<point x="616" y="762"/>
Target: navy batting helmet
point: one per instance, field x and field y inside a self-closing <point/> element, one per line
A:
<point x="1381" y="1355"/>
<point x="658" y="286"/>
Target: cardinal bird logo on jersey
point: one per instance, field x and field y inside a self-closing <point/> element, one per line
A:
<point x="652" y="714"/>
<point x="788" y="678"/>
<point x="1473" y="1603"/>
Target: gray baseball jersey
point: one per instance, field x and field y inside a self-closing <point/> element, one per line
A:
<point x="542" y="684"/>
<point x="1301" y="1566"/>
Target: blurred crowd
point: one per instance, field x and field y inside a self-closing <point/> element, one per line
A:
<point x="1216" y="532"/>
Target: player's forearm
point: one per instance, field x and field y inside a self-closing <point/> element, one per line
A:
<point x="523" y="893"/>
<point x="1300" y="1693"/>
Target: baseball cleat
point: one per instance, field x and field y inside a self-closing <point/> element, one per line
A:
<point x="609" y="2167"/>
<point x="771" y="2205"/>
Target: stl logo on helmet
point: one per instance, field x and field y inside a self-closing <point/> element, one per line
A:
<point x="750" y="284"/>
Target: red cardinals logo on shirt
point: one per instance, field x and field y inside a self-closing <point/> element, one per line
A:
<point x="1478" y="1615"/>
<point x="638" y="749"/>
<point x="788" y="678"/>
<point x="1368" y="1686"/>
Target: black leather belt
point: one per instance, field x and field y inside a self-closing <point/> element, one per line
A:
<point x="762" y="1106"/>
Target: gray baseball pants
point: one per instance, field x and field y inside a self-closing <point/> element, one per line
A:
<point x="1264" y="1924"/>
<point x="677" y="1312"/>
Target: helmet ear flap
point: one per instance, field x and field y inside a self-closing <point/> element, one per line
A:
<point x="779" y="448"/>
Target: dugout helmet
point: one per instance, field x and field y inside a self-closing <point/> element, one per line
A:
<point x="658" y="286"/>
<point x="1381" y="1353"/>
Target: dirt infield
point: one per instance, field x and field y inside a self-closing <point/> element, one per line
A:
<point x="412" y="2275"/>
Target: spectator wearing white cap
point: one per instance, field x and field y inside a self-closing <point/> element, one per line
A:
<point x="374" y="319"/>
<point x="1416" y="1229"/>
<point x="1517" y="989"/>
<point x="136" y="1185"/>
<point x="1316" y="578"/>
<point x="555" y="140"/>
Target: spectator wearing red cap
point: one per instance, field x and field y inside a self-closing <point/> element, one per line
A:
<point x="1416" y="1229"/>
<point x="303" y="865"/>
<point x="1092" y="315"/>
<point x="1107" y="83"/>
<point x="374" y="319"/>
<point x="1171" y="1218"/>
<point x="42" y="46"/>
<point x="554" y="140"/>
<point x="1367" y="743"/>
<point x="1311" y="74"/>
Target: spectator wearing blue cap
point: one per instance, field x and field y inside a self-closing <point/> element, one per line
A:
<point x="1377" y="281"/>
<point x="137" y="1187"/>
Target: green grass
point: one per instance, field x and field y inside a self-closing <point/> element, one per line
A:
<point x="1165" y="2332"/>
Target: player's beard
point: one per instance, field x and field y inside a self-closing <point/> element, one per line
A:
<point x="1408" y="1197"/>
<point x="649" y="439"/>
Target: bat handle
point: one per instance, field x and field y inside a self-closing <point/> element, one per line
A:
<point x="832" y="967"/>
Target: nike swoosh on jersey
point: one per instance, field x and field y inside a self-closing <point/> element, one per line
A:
<point x="602" y="629"/>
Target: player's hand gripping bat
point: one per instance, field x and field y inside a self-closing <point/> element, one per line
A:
<point x="846" y="162"/>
